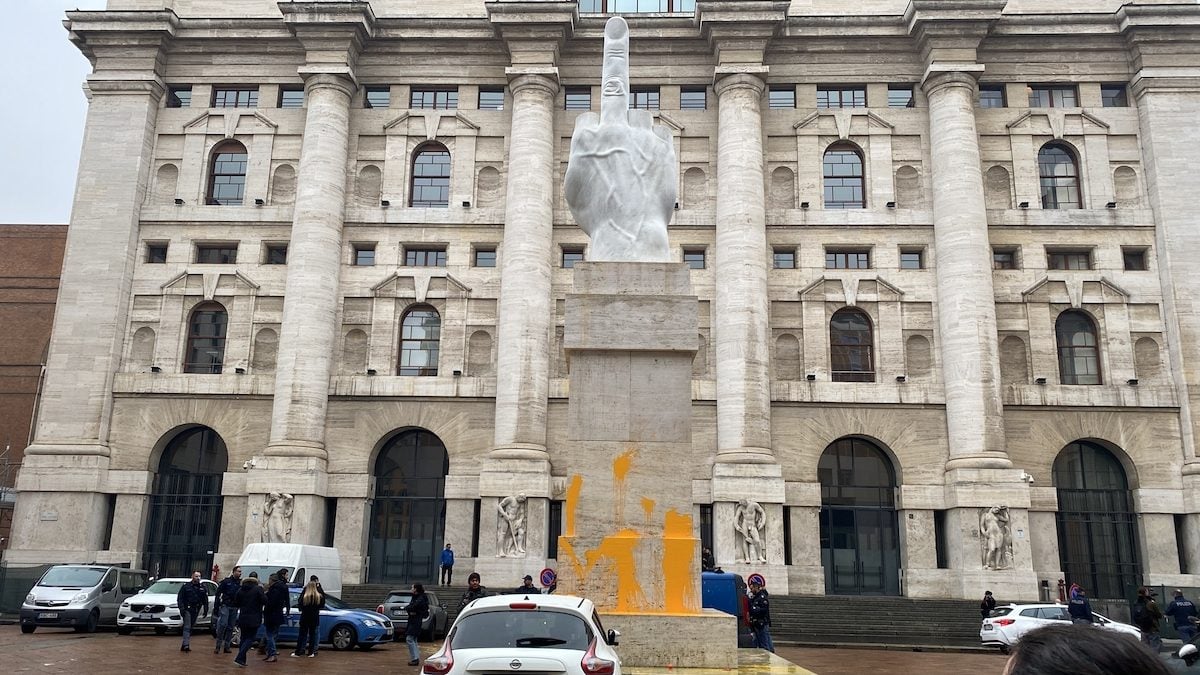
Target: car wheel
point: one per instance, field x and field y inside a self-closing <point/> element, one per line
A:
<point x="1004" y="649"/>
<point x="28" y="629"/>
<point x="342" y="637"/>
<point x="93" y="620"/>
<point x="160" y="631"/>
<point x="124" y="630"/>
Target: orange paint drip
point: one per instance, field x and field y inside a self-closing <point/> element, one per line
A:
<point x="647" y="509"/>
<point x="618" y="548"/>
<point x="679" y="565"/>
<point x="620" y="469"/>
<point x="573" y="490"/>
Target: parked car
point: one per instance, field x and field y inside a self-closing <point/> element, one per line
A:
<point x="341" y="627"/>
<point x="1007" y="623"/>
<point x="726" y="592"/>
<point x="79" y="596"/>
<point x="434" y="625"/>
<point x="545" y="633"/>
<point x="156" y="608"/>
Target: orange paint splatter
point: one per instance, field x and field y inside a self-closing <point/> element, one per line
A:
<point x="679" y="565"/>
<point x="620" y="468"/>
<point x="647" y="509"/>
<point x="618" y="548"/>
<point x="573" y="490"/>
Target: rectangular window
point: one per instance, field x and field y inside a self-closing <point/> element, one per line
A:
<point x="216" y="254"/>
<point x="475" y="529"/>
<point x="1114" y="96"/>
<point x="491" y="98"/>
<point x="1053" y="96"/>
<point x="781" y="97"/>
<point x="1069" y="260"/>
<point x="912" y="259"/>
<point x="1134" y="259"/>
<point x="330" y="521"/>
<point x="694" y="257"/>
<point x="291" y="97"/>
<point x="787" y="535"/>
<point x="693" y="98"/>
<point x="941" y="546"/>
<point x="276" y="254"/>
<point x="901" y="96"/>
<point x="1181" y="543"/>
<point x="179" y="97"/>
<point x="841" y="97"/>
<point x="706" y="526"/>
<point x="364" y="255"/>
<point x="636" y="6"/>
<point x="156" y="253"/>
<point x="783" y="258"/>
<point x="553" y="527"/>
<point x="485" y="257"/>
<point x="235" y="97"/>
<point x="577" y="98"/>
<point x="847" y="260"/>
<point x="643" y="98"/>
<point x="431" y="98"/>
<point x="1004" y="259"/>
<point x="571" y="255"/>
<point x="425" y="256"/>
<point x="992" y="96"/>
<point x="377" y="97"/>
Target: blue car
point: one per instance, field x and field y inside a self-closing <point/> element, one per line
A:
<point x="342" y="627"/>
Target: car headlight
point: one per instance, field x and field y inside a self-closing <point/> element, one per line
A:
<point x="31" y="598"/>
<point x="124" y="604"/>
<point x="370" y="622"/>
<point x="174" y="605"/>
<point x="82" y="597"/>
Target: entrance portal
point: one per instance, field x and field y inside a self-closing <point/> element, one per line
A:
<point x="860" y="547"/>
<point x="408" y="520"/>
<point x="185" y="507"/>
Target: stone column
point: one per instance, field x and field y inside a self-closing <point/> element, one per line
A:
<point x="966" y="305"/>
<point x="742" y="331"/>
<point x="523" y="349"/>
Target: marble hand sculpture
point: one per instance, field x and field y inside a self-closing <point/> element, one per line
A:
<point x="621" y="181"/>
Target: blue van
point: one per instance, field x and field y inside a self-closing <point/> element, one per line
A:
<point x="727" y="592"/>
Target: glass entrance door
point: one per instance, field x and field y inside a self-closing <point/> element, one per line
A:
<point x="409" y="514"/>
<point x="185" y="508"/>
<point x="860" y="552"/>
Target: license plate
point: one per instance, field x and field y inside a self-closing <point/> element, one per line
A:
<point x="987" y="626"/>
<point x="145" y="616"/>
<point x="47" y="615"/>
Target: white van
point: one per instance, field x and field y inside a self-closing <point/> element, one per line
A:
<point x="300" y="560"/>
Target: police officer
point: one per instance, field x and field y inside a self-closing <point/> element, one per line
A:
<point x="191" y="600"/>
<point x="760" y="613"/>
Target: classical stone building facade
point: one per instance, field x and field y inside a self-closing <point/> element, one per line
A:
<point x="948" y="325"/>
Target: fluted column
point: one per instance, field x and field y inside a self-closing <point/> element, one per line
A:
<point x="523" y="349"/>
<point x="314" y="260"/>
<point x="966" y="303"/>
<point x="742" y="330"/>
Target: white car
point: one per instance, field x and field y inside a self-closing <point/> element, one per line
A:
<point x="1008" y="623"/>
<point x="156" y="607"/>
<point x="514" y="633"/>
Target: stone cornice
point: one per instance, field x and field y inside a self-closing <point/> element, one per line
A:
<point x="533" y="30"/>
<point x="129" y="42"/>
<point x="333" y="34"/>
<point x="740" y="30"/>
<point x="1162" y="36"/>
<point x="951" y="30"/>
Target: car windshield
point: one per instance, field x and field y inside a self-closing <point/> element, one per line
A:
<point x="522" y="628"/>
<point x="63" y="577"/>
<point x="171" y="587"/>
<point x="331" y="602"/>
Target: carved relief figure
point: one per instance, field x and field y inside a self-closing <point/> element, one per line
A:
<point x="995" y="538"/>
<point x="277" y="518"/>
<point x="749" y="519"/>
<point x="621" y="178"/>
<point x="510" y="527"/>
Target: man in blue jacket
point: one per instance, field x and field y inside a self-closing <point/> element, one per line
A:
<point x="225" y="610"/>
<point x="447" y="565"/>
<point x="191" y="599"/>
<point x="1183" y="612"/>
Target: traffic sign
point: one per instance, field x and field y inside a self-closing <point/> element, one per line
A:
<point x="548" y="577"/>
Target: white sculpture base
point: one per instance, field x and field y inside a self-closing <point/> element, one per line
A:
<point x="657" y="641"/>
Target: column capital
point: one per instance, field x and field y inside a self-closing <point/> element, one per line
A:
<point x="325" y="78"/>
<point x="942" y="75"/>
<point x="951" y="30"/>
<point x="545" y="79"/>
<point x="748" y="78"/>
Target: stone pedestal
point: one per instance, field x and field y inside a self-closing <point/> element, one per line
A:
<point x="707" y="640"/>
<point x="969" y="492"/>
<point x="501" y="478"/>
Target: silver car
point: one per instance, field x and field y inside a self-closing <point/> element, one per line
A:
<point x="433" y="626"/>
<point x="79" y="596"/>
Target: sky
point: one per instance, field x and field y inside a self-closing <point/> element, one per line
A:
<point x="42" y="110"/>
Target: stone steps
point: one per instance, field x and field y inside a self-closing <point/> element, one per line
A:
<point x="875" y="620"/>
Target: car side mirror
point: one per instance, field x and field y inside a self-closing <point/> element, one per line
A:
<point x="612" y="637"/>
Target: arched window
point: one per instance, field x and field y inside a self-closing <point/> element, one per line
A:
<point x="1060" y="178"/>
<point x="1078" y="355"/>
<point x="860" y="535"/>
<point x="420" y="332"/>
<point x="843" y="172"/>
<point x="185" y="506"/>
<point x="408" y="516"/>
<point x="227" y="175"/>
<point x="431" y="177"/>
<point x="850" y="342"/>
<point x="206" y="339"/>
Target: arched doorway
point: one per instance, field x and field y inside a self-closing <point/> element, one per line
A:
<point x="185" y="506"/>
<point x="1097" y="530"/>
<point x="409" y="515"/>
<point x="860" y="546"/>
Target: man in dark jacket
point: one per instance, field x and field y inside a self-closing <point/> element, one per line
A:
<point x="760" y="613"/>
<point x="1146" y="616"/>
<point x="416" y="610"/>
<point x="250" y="601"/>
<point x="279" y="603"/>
<point x="447" y="566"/>
<point x="191" y="600"/>
<point x="474" y="591"/>
<point x="527" y="587"/>
<point x="225" y="611"/>
<point x="987" y="604"/>
<point x="1183" y="612"/>
<point x="1079" y="608"/>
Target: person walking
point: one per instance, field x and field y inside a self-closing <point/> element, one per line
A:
<point x="526" y="586"/>
<point x="416" y="610"/>
<point x="278" y="604"/>
<point x="1183" y="614"/>
<point x="191" y="600"/>
<point x="225" y="609"/>
<point x="312" y="601"/>
<point x="250" y="601"/>
<point x="1078" y="607"/>
<point x="474" y="591"/>
<point x="987" y="604"/>
<point x="760" y="613"/>
<point x="447" y="565"/>
<point x="1146" y="616"/>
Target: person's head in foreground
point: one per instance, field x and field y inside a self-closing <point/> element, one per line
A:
<point x="1075" y="649"/>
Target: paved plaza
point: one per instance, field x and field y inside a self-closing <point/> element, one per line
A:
<point x="105" y="653"/>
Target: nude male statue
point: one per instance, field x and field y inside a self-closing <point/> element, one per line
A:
<point x="749" y="519"/>
<point x="510" y="527"/>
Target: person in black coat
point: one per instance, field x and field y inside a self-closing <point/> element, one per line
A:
<point x="987" y="604"/>
<point x="279" y="603"/>
<point x="192" y="599"/>
<point x="312" y="601"/>
<point x="416" y="610"/>
<point x="251" y="600"/>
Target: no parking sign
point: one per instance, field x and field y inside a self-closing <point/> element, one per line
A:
<point x="548" y="577"/>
